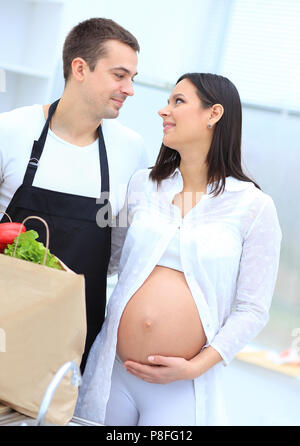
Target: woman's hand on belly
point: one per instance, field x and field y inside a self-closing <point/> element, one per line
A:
<point x="165" y="369"/>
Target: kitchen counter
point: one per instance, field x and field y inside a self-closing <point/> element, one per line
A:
<point x="262" y="358"/>
<point x="9" y="417"/>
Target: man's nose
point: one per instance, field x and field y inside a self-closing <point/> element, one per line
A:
<point x="127" y="88"/>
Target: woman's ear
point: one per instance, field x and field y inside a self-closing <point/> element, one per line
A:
<point x="216" y="114"/>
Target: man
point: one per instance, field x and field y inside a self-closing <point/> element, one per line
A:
<point x="63" y="169"/>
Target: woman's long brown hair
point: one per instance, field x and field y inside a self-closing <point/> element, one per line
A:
<point x="224" y="156"/>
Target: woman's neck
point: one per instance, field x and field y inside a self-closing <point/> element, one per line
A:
<point x="194" y="173"/>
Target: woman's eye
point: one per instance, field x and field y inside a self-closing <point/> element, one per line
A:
<point x="178" y="99"/>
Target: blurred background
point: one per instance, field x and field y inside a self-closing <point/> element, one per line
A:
<point x="256" y="44"/>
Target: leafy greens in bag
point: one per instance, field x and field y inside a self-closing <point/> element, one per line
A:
<point x="30" y="249"/>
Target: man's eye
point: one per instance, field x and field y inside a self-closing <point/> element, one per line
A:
<point x="119" y="76"/>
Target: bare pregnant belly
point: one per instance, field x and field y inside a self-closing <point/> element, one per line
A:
<point x="161" y="318"/>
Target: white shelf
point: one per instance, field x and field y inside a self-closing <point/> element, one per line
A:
<point x="21" y="69"/>
<point x="30" y="40"/>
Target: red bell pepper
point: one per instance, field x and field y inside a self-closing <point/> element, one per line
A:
<point x="8" y="232"/>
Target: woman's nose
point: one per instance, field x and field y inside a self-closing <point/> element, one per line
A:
<point x="163" y="112"/>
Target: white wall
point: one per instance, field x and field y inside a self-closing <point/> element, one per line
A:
<point x="171" y="33"/>
<point x="174" y="36"/>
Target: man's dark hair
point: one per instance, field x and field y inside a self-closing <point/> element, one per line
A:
<point x="87" y="40"/>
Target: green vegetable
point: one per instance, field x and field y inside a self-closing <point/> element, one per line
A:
<point x="29" y="249"/>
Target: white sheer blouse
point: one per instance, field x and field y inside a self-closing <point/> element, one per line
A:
<point x="229" y="247"/>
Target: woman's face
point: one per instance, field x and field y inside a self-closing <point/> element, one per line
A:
<point x="185" y="120"/>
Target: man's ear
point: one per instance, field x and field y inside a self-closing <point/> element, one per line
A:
<point x="79" y="67"/>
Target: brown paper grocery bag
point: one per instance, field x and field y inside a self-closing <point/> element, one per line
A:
<point x="42" y="326"/>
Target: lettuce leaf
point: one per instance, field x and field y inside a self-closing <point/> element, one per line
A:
<point x="30" y="249"/>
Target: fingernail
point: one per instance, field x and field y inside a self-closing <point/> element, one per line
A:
<point x="150" y="358"/>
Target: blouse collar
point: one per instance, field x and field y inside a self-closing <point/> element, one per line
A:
<point x="231" y="184"/>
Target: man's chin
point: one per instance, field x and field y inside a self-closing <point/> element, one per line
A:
<point x="111" y="114"/>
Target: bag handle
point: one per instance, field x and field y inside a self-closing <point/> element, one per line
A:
<point x="6" y="215"/>
<point x="47" y="235"/>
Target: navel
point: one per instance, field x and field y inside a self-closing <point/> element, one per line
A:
<point x="148" y="323"/>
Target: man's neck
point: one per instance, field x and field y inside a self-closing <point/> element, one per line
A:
<point x="72" y="123"/>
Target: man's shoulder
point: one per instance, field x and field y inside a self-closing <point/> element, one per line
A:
<point x="18" y="117"/>
<point x="115" y="129"/>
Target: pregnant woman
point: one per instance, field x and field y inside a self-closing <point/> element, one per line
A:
<point x="196" y="274"/>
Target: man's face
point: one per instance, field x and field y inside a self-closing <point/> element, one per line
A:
<point x="106" y="88"/>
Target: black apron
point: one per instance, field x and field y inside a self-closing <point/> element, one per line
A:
<point x="75" y="237"/>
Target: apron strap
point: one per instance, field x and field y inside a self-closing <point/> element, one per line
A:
<point x="103" y="162"/>
<point x="37" y="149"/>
